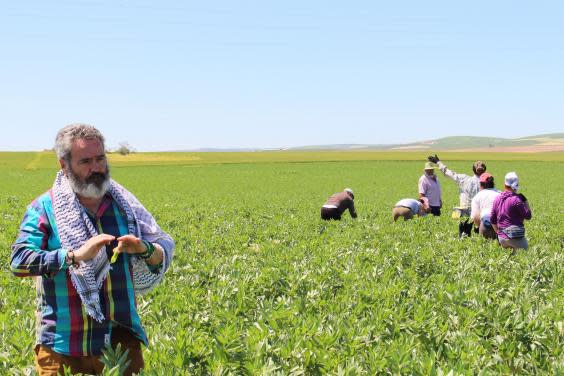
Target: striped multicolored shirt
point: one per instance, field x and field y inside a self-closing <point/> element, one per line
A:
<point x="62" y="322"/>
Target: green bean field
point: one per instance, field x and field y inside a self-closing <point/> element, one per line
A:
<point x="260" y="285"/>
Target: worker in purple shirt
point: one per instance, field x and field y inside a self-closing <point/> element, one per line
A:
<point x="430" y="188"/>
<point x="337" y="204"/>
<point x="509" y="211"/>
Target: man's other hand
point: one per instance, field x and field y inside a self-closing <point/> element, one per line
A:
<point x="522" y="196"/>
<point x="130" y="244"/>
<point x="433" y="158"/>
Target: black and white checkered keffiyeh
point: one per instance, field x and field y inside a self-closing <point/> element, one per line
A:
<point x="75" y="228"/>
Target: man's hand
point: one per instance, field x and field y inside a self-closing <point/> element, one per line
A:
<point x="130" y="244"/>
<point x="434" y="159"/>
<point x="92" y="246"/>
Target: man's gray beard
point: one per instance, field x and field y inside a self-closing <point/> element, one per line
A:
<point x="88" y="190"/>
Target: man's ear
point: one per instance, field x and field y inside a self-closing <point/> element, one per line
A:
<point x="63" y="164"/>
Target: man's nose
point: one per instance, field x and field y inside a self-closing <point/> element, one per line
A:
<point x="98" y="166"/>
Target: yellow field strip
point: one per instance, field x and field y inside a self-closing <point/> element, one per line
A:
<point x="47" y="159"/>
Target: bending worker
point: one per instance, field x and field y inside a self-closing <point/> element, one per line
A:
<point x="509" y="212"/>
<point x="337" y="204"/>
<point x="482" y="206"/>
<point x="409" y="207"/>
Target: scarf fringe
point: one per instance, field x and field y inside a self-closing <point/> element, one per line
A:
<point x="92" y="307"/>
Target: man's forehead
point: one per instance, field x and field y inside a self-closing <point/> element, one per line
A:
<point x="84" y="148"/>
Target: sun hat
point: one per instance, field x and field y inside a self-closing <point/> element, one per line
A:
<point x="512" y="180"/>
<point x="485" y="176"/>
<point x="429" y="166"/>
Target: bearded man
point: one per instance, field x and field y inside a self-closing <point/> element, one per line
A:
<point x="67" y="239"/>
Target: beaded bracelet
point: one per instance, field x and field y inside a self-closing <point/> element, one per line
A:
<point x="149" y="252"/>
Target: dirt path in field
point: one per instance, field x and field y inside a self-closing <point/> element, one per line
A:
<point x="35" y="162"/>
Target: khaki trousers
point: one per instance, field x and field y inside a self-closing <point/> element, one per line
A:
<point x="401" y="211"/>
<point x="50" y="363"/>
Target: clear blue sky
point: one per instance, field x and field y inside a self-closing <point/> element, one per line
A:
<point x="169" y="75"/>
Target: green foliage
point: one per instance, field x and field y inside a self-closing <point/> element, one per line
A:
<point x="260" y="285"/>
<point x="115" y="360"/>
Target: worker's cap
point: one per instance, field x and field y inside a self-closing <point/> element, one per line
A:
<point x="429" y="166"/>
<point x="485" y="177"/>
<point x="512" y="180"/>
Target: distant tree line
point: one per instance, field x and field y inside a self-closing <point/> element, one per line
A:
<point x="124" y="148"/>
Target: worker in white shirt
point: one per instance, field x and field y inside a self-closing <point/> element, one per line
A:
<point x="482" y="206"/>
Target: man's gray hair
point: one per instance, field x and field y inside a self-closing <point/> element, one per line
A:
<point x="70" y="133"/>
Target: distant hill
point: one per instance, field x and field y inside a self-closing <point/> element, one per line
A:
<point x="345" y="147"/>
<point x="230" y="150"/>
<point x="537" y="143"/>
